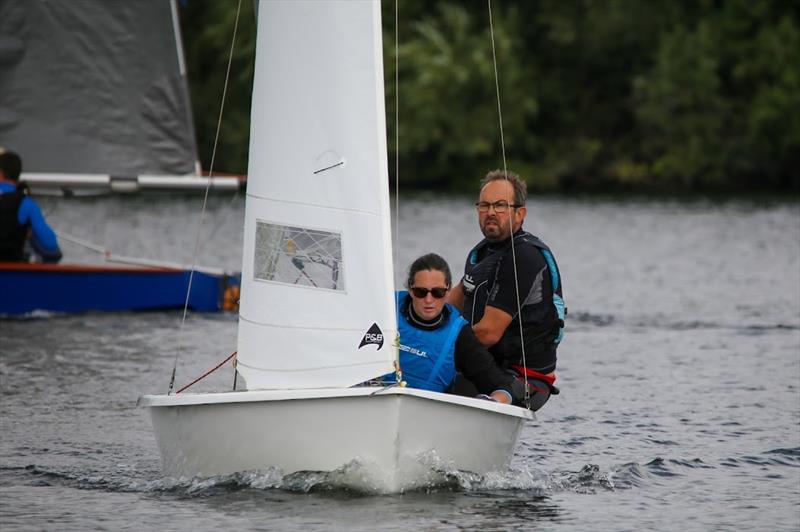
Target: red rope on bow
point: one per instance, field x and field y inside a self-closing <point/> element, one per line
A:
<point x="207" y="373"/>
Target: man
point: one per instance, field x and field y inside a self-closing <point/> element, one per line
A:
<point x="491" y="300"/>
<point x="21" y="218"/>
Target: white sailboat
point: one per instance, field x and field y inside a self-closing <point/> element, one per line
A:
<point x="317" y="313"/>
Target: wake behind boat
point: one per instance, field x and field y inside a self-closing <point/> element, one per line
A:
<point x="317" y="315"/>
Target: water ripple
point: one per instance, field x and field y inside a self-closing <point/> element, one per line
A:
<point x="793" y="452"/>
<point x="663" y="442"/>
<point x="589" y="479"/>
<point x="665" y="323"/>
<point x="660" y="467"/>
<point x="579" y="441"/>
<point x="600" y="320"/>
<point x="695" y="463"/>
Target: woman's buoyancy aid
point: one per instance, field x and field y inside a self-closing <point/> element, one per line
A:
<point x="12" y="233"/>
<point x="427" y="357"/>
<point x="480" y="274"/>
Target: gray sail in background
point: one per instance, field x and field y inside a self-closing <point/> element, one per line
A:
<point x="95" y="87"/>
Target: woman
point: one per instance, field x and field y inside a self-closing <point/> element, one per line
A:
<point x="435" y="341"/>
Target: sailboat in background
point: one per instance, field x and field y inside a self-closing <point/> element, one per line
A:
<point x="317" y="315"/>
<point x="94" y="97"/>
<point x="30" y="288"/>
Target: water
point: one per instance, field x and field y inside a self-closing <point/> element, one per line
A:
<point x="680" y="378"/>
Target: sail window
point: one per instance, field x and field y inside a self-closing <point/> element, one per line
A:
<point x="298" y="256"/>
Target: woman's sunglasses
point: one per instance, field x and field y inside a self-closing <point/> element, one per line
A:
<point x="420" y="292"/>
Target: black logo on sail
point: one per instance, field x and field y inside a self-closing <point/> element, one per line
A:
<point x="374" y="336"/>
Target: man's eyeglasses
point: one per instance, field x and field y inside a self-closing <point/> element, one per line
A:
<point x="420" y="292"/>
<point x="499" y="206"/>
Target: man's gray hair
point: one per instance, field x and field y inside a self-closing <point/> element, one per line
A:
<point x="520" y="187"/>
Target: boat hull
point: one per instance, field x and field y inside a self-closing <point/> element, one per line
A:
<point x="398" y="437"/>
<point x="80" y="288"/>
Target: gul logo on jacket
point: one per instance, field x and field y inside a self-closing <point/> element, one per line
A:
<point x="373" y="336"/>
<point x="414" y="351"/>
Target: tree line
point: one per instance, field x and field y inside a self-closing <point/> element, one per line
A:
<point x="596" y="95"/>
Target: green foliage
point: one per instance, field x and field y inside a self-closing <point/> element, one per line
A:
<point x="207" y="29"/>
<point x="448" y="121"/>
<point x="680" y="110"/>
<point x="714" y="109"/>
<point x="595" y="95"/>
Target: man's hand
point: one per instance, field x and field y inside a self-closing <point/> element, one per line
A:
<point x="498" y="396"/>
<point x="501" y="396"/>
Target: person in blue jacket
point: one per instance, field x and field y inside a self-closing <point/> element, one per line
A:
<point x="435" y="341"/>
<point x="21" y="219"/>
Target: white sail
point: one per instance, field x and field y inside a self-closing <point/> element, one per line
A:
<point x="317" y="305"/>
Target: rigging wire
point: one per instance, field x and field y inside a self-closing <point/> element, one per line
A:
<point x="205" y="201"/>
<point x="398" y="369"/>
<point x="396" y="136"/>
<point x="510" y="218"/>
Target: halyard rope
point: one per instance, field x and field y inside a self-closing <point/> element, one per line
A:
<point x="510" y="218"/>
<point x="205" y="200"/>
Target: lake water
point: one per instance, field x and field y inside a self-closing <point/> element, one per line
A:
<point x="680" y="379"/>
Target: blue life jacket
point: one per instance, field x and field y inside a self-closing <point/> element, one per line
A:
<point x="427" y="358"/>
<point x="558" y="301"/>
